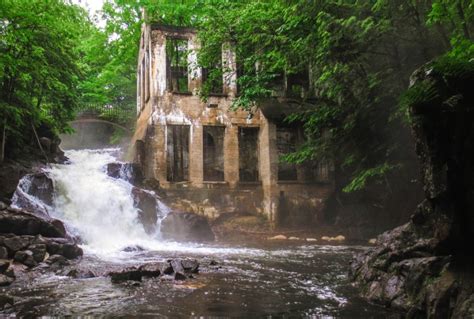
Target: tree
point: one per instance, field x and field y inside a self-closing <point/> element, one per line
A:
<point x="39" y="73"/>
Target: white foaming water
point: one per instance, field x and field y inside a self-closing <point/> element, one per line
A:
<point x="100" y="209"/>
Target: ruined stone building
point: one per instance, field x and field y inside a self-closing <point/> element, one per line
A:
<point x="211" y="160"/>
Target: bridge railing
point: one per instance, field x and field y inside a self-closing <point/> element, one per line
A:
<point x="122" y="114"/>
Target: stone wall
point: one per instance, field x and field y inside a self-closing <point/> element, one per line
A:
<point x="290" y="203"/>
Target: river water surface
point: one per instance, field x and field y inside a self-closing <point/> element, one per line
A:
<point x="249" y="280"/>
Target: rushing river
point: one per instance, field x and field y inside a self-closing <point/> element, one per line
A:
<point x="249" y="280"/>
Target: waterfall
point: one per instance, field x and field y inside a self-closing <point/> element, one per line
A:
<point x="100" y="209"/>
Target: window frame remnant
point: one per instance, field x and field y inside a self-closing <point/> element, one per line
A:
<point x="249" y="159"/>
<point x="177" y="51"/>
<point x="177" y="153"/>
<point x="287" y="140"/>
<point x="213" y="153"/>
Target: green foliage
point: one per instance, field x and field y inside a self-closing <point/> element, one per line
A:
<point x="360" y="54"/>
<point x="39" y="69"/>
<point x="449" y="66"/>
<point x="361" y="179"/>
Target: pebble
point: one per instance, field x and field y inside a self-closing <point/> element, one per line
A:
<point x="337" y="238"/>
<point x="278" y="237"/>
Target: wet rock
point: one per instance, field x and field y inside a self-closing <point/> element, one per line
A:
<point x="5" y="301"/>
<point x="186" y="227"/>
<point x="125" y="275"/>
<point x="3" y="206"/>
<point x="133" y="249"/>
<point x="213" y="263"/>
<point x="71" y="251"/>
<point x="131" y="172"/>
<point x="57" y="260"/>
<point x="278" y="237"/>
<point x="62" y="246"/>
<point x="151" y="270"/>
<point x="190" y="265"/>
<point x="25" y="257"/>
<point x="39" y="252"/>
<point x="179" y="276"/>
<point x="23" y="223"/>
<point x="10" y="175"/>
<point x="3" y="253"/>
<point x="40" y="186"/>
<point x="16" y="243"/>
<point x="4" y="264"/>
<point x="166" y="269"/>
<point x="10" y="272"/>
<point x="146" y="202"/>
<point x="5" y="280"/>
<point x="177" y="266"/>
<point x="80" y="274"/>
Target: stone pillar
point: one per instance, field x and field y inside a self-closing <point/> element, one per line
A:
<point x="158" y="63"/>
<point x="229" y="65"/>
<point x="194" y="71"/>
<point x="231" y="155"/>
<point x="160" y="153"/>
<point x="269" y="168"/>
<point x="196" y="154"/>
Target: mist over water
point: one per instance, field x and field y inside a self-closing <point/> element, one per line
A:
<point x="99" y="208"/>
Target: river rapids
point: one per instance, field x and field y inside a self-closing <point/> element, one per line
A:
<point x="246" y="280"/>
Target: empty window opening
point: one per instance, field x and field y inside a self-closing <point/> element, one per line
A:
<point x="287" y="140"/>
<point x="213" y="143"/>
<point x="248" y="154"/>
<point x="177" y="153"/>
<point x="177" y="64"/>
<point x="297" y="84"/>
<point x="212" y="74"/>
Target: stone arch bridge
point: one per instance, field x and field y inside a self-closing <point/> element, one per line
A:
<point x="100" y="126"/>
<point x="122" y="117"/>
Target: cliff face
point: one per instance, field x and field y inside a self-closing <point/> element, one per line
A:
<point x="425" y="267"/>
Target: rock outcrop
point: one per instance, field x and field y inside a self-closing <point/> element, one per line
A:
<point x="20" y="222"/>
<point x="131" y="172"/>
<point x="147" y="204"/>
<point x="180" y="269"/>
<point x="186" y="227"/>
<point x="425" y="267"/>
<point x="31" y="240"/>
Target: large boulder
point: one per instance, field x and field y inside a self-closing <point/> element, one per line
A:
<point x="186" y="227"/>
<point x="179" y="268"/>
<point x="425" y="267"/>
<point x="130" y="172"/>
<point x="23" y="223"/>
<point x="10" y="175"/>
<point x="35" y="193"/>
<point x="147" y="204"/>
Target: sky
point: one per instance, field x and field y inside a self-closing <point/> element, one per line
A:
<point x="92" y="6"/>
